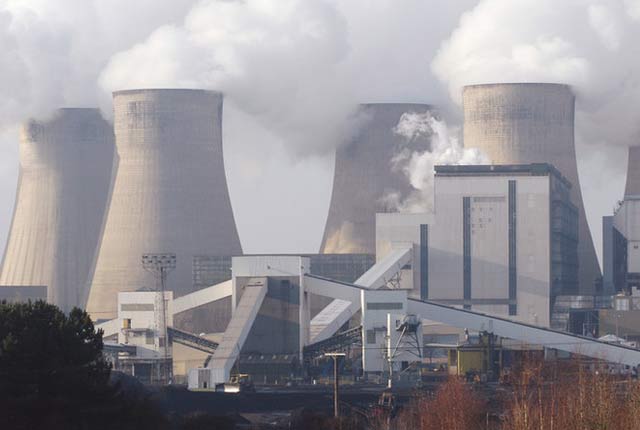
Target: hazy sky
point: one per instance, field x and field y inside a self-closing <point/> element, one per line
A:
<point x="293" y="71"/>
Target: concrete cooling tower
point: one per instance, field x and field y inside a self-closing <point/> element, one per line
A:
<point x="63" y="187"/>
<point x="632" y="188"/>
<point x="169" y="195"/>
<point x="531" y="123"/>
<point x="364" y="175"/>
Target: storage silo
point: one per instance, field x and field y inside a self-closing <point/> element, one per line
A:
<point x="169" y="195"/>
<point x="519" y="123"/>
<point x="365" y="177"/>
<point x="65" y="173"/>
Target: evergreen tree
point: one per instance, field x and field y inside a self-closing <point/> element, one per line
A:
<point x="53" y="374"/>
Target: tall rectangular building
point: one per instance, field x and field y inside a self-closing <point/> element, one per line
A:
<point x="504" y="240"/>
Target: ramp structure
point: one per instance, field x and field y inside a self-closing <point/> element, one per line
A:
<point x="243" y="317"/>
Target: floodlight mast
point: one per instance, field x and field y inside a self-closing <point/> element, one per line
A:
<point x="336" y="381"/>
<point x="160" y="265"/>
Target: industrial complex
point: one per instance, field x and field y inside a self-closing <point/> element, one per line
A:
<point x="133" y="222"/>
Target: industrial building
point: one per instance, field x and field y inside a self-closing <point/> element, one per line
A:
<point x="532" y="123"/>
<point x="271" y="318"/>
<point x="506" y="237"/>
<point x="503" y="240"/>
<point x="364" y="175"/>
<point x="169" y="193"/>
<point x="623" y="251"/>
<point x="66" y="163"/>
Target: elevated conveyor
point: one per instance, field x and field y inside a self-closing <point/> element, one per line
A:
<point x="331" y="318"/>
<point x="339" y="311"/>
<point x="238" y="329"/>
<point x="526" y="333"/>
<point x="476" y="321"/>
<point x="202" y="297"/>
<point x="339" y="342"/>
<point x="191" y="340"/>
<point x="381" y="272"/>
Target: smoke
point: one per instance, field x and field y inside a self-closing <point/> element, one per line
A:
<point x="293" y="70"/>
<point x="279" y="61"/>
<point x="299" y="67"/>
<point x="53" y="52"/>
<point x="588" y="44"/>
<point x="445" y="148"/>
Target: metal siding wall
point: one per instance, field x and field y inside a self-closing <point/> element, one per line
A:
<point x="513" y="272"/>
<point x="466" y="249"/>
<point x="424" y="261"/>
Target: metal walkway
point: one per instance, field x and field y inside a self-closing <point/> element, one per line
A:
<point x="191" y="340"/>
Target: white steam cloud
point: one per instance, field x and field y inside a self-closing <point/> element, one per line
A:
<point x="419" y="166"/>
<point x="591" y="45"/>
<point x="292" y="71"/>
<point x="52" y="52"/>
<point x="280" y="61"/>
<point x="300" y="67"/>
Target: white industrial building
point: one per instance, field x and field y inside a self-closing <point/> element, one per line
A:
<point x="502" y="240"/>
<point x="621" y="235"/>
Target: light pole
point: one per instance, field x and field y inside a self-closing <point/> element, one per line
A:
<point x="160" y="265"/>
<point x="336" y="381"/>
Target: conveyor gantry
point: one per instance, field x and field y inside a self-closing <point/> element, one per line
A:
<point x="191" y="340"/>
<point x="339" y="342"/>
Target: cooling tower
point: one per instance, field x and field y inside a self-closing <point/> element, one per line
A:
<point x="531" y="123"/>
<point x="169" y="195"/>
<point x="365" y="178"/>
<point x="632" y="187"/>
<point x="63" y="187"/>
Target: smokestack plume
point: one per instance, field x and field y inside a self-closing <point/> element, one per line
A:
<point x="364" y="177"/>
<point x="65" y="173"/>
<point x="169" y="195"/>
<point x="531" y="123"/>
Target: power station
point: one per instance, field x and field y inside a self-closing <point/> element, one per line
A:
<point x="63" y="191"/>
<point x="525" y="123"/>
<point x="169" y="193"/>
<point x="504" y="244"/>
<point x="364" y="176"/>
